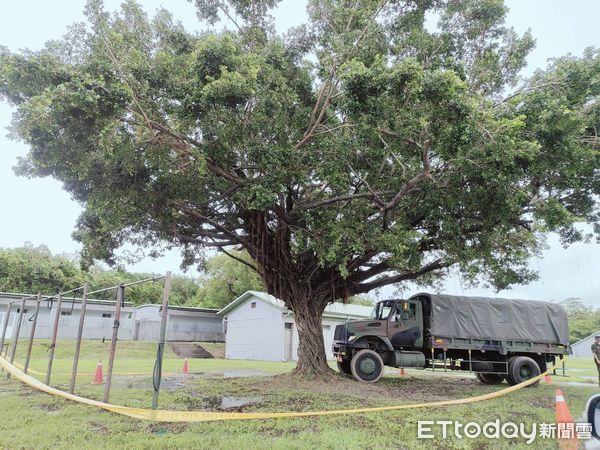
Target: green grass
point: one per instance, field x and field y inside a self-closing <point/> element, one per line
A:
<point x="29" y="419"/>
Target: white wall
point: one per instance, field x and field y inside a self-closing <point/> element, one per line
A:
<point x="328" y="326"/>
<point x="258" y="333"/>
<point x="584" y="348"/>
<point x="95" y="326"/>
<point x="254" y="333"/>
<point x="182" y="325"/>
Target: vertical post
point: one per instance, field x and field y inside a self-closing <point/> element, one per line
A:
<point x="113" y="343"/>
<point x="53" y="341"/>
<point x="432" y="360"/>
<point x="79" y="335"/>
<point x="16" y="331"/>
<point x="156" y="376"/>
<point x="445" y="370"/>
<point x="32" y="335"/>
<point x="5" y="327"/>
<point x="470" y="362"/>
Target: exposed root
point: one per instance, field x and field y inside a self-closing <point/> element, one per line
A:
<point x="311" y="374"/>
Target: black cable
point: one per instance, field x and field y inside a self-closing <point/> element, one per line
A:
<point x="157" y="372"/>
<point x="72" y="303"/>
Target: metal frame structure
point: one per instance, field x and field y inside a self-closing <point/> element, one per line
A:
<point x="120" y="296"/>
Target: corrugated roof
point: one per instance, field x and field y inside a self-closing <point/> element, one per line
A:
<point x="180" y="308"/>
<point x="340" y="310"/>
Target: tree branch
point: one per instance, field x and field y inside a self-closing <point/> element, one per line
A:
<point x="384" y="281"/>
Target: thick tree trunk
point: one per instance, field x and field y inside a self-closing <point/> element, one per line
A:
<point x="308" y="313"/>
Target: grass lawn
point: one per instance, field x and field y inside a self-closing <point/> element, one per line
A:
<point x="30" y="419"/>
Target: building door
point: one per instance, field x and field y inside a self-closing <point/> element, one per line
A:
<point x="287" y="341"/>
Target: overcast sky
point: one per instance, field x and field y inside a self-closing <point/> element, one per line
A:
<point x="39" y="211"/>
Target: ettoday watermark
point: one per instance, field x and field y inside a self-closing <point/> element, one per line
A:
<point x="444" y="429"/>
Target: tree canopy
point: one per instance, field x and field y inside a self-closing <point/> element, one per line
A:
<point x="30" y="269"/>
<point x="362" y="149"/>
<point x="583" y="320"/>
<point x="225" y="280"/>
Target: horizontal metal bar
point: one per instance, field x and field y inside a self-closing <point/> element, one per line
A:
<point x="127" y="284"/>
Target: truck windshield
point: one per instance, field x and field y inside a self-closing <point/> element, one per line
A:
<point x="382" y="310"/>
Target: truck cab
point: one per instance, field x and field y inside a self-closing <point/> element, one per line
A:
<point x="392" y="336"/>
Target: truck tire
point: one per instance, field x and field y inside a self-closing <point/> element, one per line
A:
<point x="344" y="367"/>
<point x="489" y="378"/>
<point x="522" y="368"/>
<point x="367" y="366"/>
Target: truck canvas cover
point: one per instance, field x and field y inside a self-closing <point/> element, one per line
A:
<point x="497" y="319"/>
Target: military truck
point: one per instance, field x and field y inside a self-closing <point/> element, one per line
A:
<point x="497" y="339"/>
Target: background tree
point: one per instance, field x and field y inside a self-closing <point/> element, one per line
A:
<point x="583" y="320"/>
<point x="225" y="280"/>
<point x="360" y="150"/>
<point x="30" y="269"/>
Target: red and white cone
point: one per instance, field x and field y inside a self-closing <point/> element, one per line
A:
<point x="564" y="421"/>
<point x="98" y="377"/>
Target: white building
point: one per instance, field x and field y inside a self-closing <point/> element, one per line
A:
<point x="183" y="324"/>
<point x="99" y="317"/>
<point x="259" y="326"/>
<point x="584" y="346"/>
<point x="141" y="323"/>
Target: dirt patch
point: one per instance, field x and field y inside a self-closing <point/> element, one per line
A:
<point x="166" y="428"/>
<point x="98" y="428"/>
<point x="51" y="407"/>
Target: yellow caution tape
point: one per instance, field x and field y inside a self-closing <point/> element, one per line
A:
<point x="206" y="416"/>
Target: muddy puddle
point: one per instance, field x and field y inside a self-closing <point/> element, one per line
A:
<point x="230" y="402"/>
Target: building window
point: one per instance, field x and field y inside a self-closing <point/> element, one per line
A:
<point x="288" y="325"/>
<point x="19" y="310"/>
<point x="65" y="313"/>
<point x="253" y="305"/>
<point x="107" y="315"/>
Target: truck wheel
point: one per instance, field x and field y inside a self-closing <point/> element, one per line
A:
<point x="522" y="368"/>
<point x="367" y="366"/>
<point x="489" y="378"/>
<point x="344" y="367"/>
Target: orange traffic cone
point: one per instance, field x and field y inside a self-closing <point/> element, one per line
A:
<point x="402" y="371"/>
<point x="548" y="379"/>
<point x="98" y="378"/>
<point x="567" y="439"/>
<point x="185" y="369"/>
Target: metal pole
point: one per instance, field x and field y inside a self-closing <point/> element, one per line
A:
<point x="16" y="331"/>
<point x="54" y="335"/>
<point x="161" y="342"/>
<point x="78" y="342"/>
<point x="32" y="335"/>
<point x="113" y="343"/>
<point x="5" y="327"/>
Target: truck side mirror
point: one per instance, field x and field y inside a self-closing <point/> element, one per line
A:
<point x="593" y="415"/>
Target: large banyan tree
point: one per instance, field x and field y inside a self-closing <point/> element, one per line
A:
<point x="382" y="141"/>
